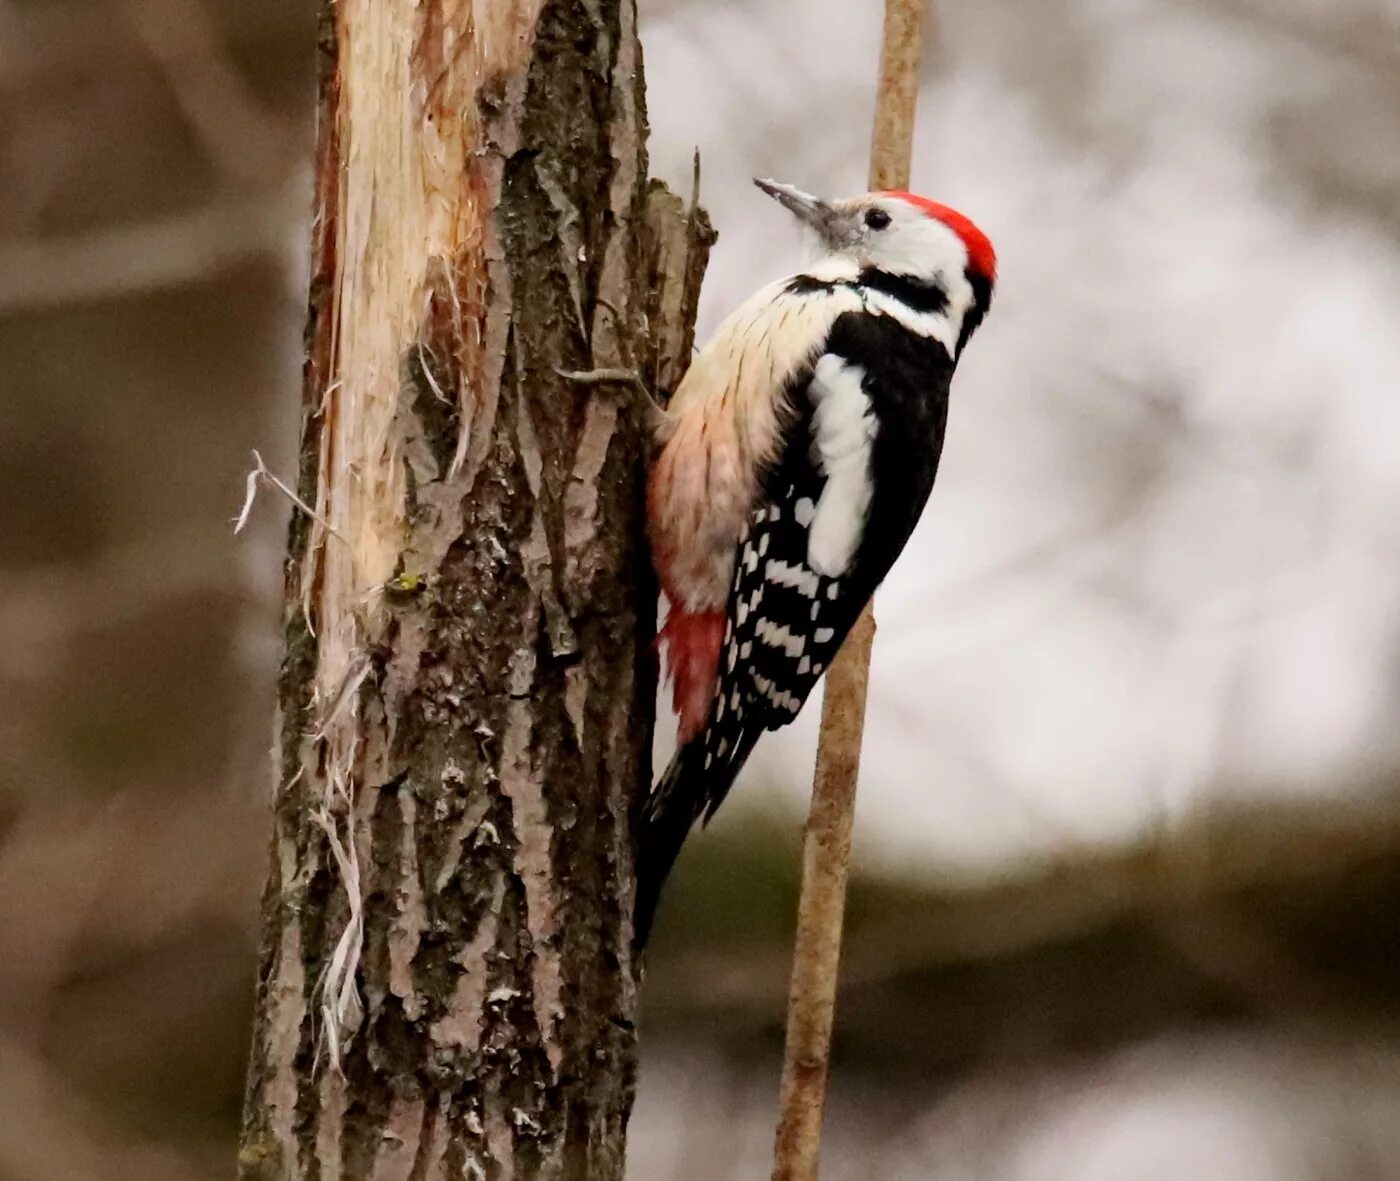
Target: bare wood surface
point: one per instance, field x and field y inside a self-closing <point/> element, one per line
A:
<point x="826" y="850"/>
<point x="447" y="987"/>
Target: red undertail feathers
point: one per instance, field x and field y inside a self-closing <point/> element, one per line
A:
<point x="692" y="642"/>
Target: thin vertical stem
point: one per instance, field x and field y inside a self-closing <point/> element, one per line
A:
<point x="892" y="141"/>
<point x="827" y="842"/>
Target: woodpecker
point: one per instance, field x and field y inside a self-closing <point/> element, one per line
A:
<point x="794" y="461"/>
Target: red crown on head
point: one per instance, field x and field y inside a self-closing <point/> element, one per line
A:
<point x="981" y="255"/>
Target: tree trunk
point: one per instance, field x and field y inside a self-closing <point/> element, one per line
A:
<point x="447" y="987"/>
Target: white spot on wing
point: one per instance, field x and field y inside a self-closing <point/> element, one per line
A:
<point x="785" y="574"/>
<point x="777" y="636"/>
<point x="780" y="698"/>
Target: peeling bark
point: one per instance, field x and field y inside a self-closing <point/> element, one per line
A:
<point x="447" y="987"/>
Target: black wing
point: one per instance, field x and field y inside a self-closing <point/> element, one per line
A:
<point x="786" y="620"/>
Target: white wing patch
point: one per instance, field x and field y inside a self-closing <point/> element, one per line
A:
<point x="843" y="430"/>
<point x="775" y="635"/>
<point x="787" y="574"/>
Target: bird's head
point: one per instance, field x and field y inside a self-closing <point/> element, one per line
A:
<point x="899" y="233"/>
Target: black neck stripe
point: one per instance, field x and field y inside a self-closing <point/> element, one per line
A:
<point x="915" y="294"/>
<point x="809" y="285"/>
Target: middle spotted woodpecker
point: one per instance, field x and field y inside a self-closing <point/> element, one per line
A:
<point x="795" y="460"/>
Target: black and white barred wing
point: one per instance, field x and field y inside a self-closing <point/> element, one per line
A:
<point x="786" y="623"/>
<point x="787" y="620"/>
<point x="836" y="511"/>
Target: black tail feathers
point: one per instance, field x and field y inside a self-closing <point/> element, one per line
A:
<point x="687" y="790"/>
<point x="663" y="822"/>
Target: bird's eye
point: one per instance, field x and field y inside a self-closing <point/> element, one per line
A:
<point x="877" y="219"/>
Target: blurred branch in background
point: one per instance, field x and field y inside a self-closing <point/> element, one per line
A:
<point x="106" y="916"/>
<point x="1302" y="858"/>
<point x="251" y="157"/>
<point x="1264" y="934"/>
<point x="127" y="260"/>
<point x="48" y="1134"/>
<point x="238" y="133"/>
<point x="153" y="163"/>
<point x="1365" y="32"/>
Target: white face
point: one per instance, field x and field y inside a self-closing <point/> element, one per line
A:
<point x="893" y="235"/>
<point x="879" y="231"/>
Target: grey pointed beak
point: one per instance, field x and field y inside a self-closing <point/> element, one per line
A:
<point x="809" y="210"/>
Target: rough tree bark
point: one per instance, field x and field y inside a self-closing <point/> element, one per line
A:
<point x="447" y="988"/>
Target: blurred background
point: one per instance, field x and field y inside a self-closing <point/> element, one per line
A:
<point x="1129" y="834"/>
